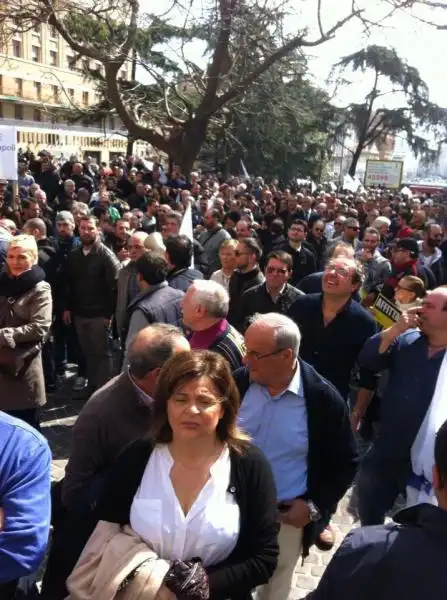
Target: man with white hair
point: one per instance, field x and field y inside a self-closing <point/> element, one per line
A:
<point x="301" y="423"/>
<point x="205" y="310"/>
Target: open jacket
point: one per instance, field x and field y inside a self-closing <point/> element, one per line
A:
<point x="332" y="456"/>
<point x="253" y="560"/>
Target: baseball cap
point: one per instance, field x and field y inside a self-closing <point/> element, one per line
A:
<point x="408" y="244"/>
<point x="65" y="216"/>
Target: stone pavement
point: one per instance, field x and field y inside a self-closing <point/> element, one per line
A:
<point x="60" y="415"/>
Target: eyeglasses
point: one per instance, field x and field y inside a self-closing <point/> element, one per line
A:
<point x="339" y="270"/>
<point x="257" y="356"/>
<point x="202" y="403"/>
<point x="276" y="270"/>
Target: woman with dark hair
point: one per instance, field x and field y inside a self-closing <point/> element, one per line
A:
<point x="196" y="489"/>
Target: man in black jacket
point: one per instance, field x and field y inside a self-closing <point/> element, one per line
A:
<point x="247" y="275"/>
<point x="179" y="251"/>
<point x="157" y="302"/>
<point x="275" y="294"/>
<point x="92" y="273"/>
<point x="404" y="559"/>
<point x="304" y="260"/>
<point x="301" y="423"/>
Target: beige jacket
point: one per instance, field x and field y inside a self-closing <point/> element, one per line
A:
<point x="117" y="565"/>
<point x="30" y="321"/>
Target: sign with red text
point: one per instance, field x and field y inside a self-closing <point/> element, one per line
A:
<point x="387" y="173"/>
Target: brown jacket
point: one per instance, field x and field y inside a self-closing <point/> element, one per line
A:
<point x="110" y="557"/>
<point x="113" y="417"/>
<point x="30" y="322"/>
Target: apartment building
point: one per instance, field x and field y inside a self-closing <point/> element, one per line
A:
<point x="37" y="77"/>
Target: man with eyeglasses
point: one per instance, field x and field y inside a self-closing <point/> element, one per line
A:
<point x="246" y="275"/>
<point x="127" y="279"/>
<point x="334" y="328"/>
<point x="304" y="260"/>
<point x="275" y="294"/>
<point x="301" y="424"/>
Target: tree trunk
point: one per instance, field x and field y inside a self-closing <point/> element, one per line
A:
<point x="355" y="160"/>
<point x="130" y="145"/>
<point x="185" y="150"/>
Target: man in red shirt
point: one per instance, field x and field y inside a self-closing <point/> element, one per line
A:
<point x="403" y="221"/>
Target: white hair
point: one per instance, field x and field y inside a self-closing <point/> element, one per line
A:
<point x="212" y="296"/>
<point x="154" y="242"/>
<point x="381" y="221"/>
<point x="286" y="332"/>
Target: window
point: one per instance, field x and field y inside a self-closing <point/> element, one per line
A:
<point x="37" y="115"/>
<point x="17" y="48"/>
<point x="38" y="89"/>
<point x="18" y="112"/>
<point x="111" y="122"/>
<point x="36" y="28"/>
<point x="85" y="98"/>
<point x="53" y="31"/>
<point x="53" y="58"/>
<point x="70" y="59"/>
<point x="55" y="93"/>
<point x="71" y="94"/>
<point x="123" y="75"/>
<point x="19" y="86"/>
<point x="35" y="53"/>
<point x="85" y="64"/>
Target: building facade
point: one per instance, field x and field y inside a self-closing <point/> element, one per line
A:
<point x="38" y="78"/>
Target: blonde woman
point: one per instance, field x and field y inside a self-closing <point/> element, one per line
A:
<point x="25" y="320"/>
<point x="227" y="257"/>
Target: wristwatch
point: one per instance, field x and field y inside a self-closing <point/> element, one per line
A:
<point x="314" y="513"/>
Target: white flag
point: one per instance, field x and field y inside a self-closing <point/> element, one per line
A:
<point x="186" y="227"/>
<point x="244" y="170"/>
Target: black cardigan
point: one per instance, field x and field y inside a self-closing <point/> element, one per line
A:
<point x="254" y="558"/>
<point x="332" y="455"/>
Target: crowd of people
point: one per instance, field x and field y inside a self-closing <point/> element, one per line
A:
<point x="226" y="379"/>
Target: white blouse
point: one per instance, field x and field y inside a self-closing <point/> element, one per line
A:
<point x="210" y="529"/>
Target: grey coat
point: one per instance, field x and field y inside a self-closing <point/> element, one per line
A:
<point x="30" y="322"/>
<point x="211" y="242"/>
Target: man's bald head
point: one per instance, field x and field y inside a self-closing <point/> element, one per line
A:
<point x="433" y="315"/>
<point x="152" y="347"/>
<point x="136" y="246"/>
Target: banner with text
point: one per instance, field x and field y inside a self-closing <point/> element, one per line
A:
<point x="385" y="312"/>
<point x="8" y="153"/>
<point x="384" y="172"/>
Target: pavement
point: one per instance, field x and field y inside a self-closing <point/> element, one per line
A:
<point x="59" y="417"/>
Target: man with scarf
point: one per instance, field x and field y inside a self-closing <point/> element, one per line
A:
<point x="404" y="261"/>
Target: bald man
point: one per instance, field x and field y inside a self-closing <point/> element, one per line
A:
<point x="118" y="413"/>
<point x="412" y="350"/>
<point x="127" y="278"/>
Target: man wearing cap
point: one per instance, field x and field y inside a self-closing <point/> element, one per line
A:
<point x="65" y="341"/>
<point x="404" y="261"/>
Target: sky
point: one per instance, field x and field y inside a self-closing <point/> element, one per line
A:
<point x="421" y="45"/>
